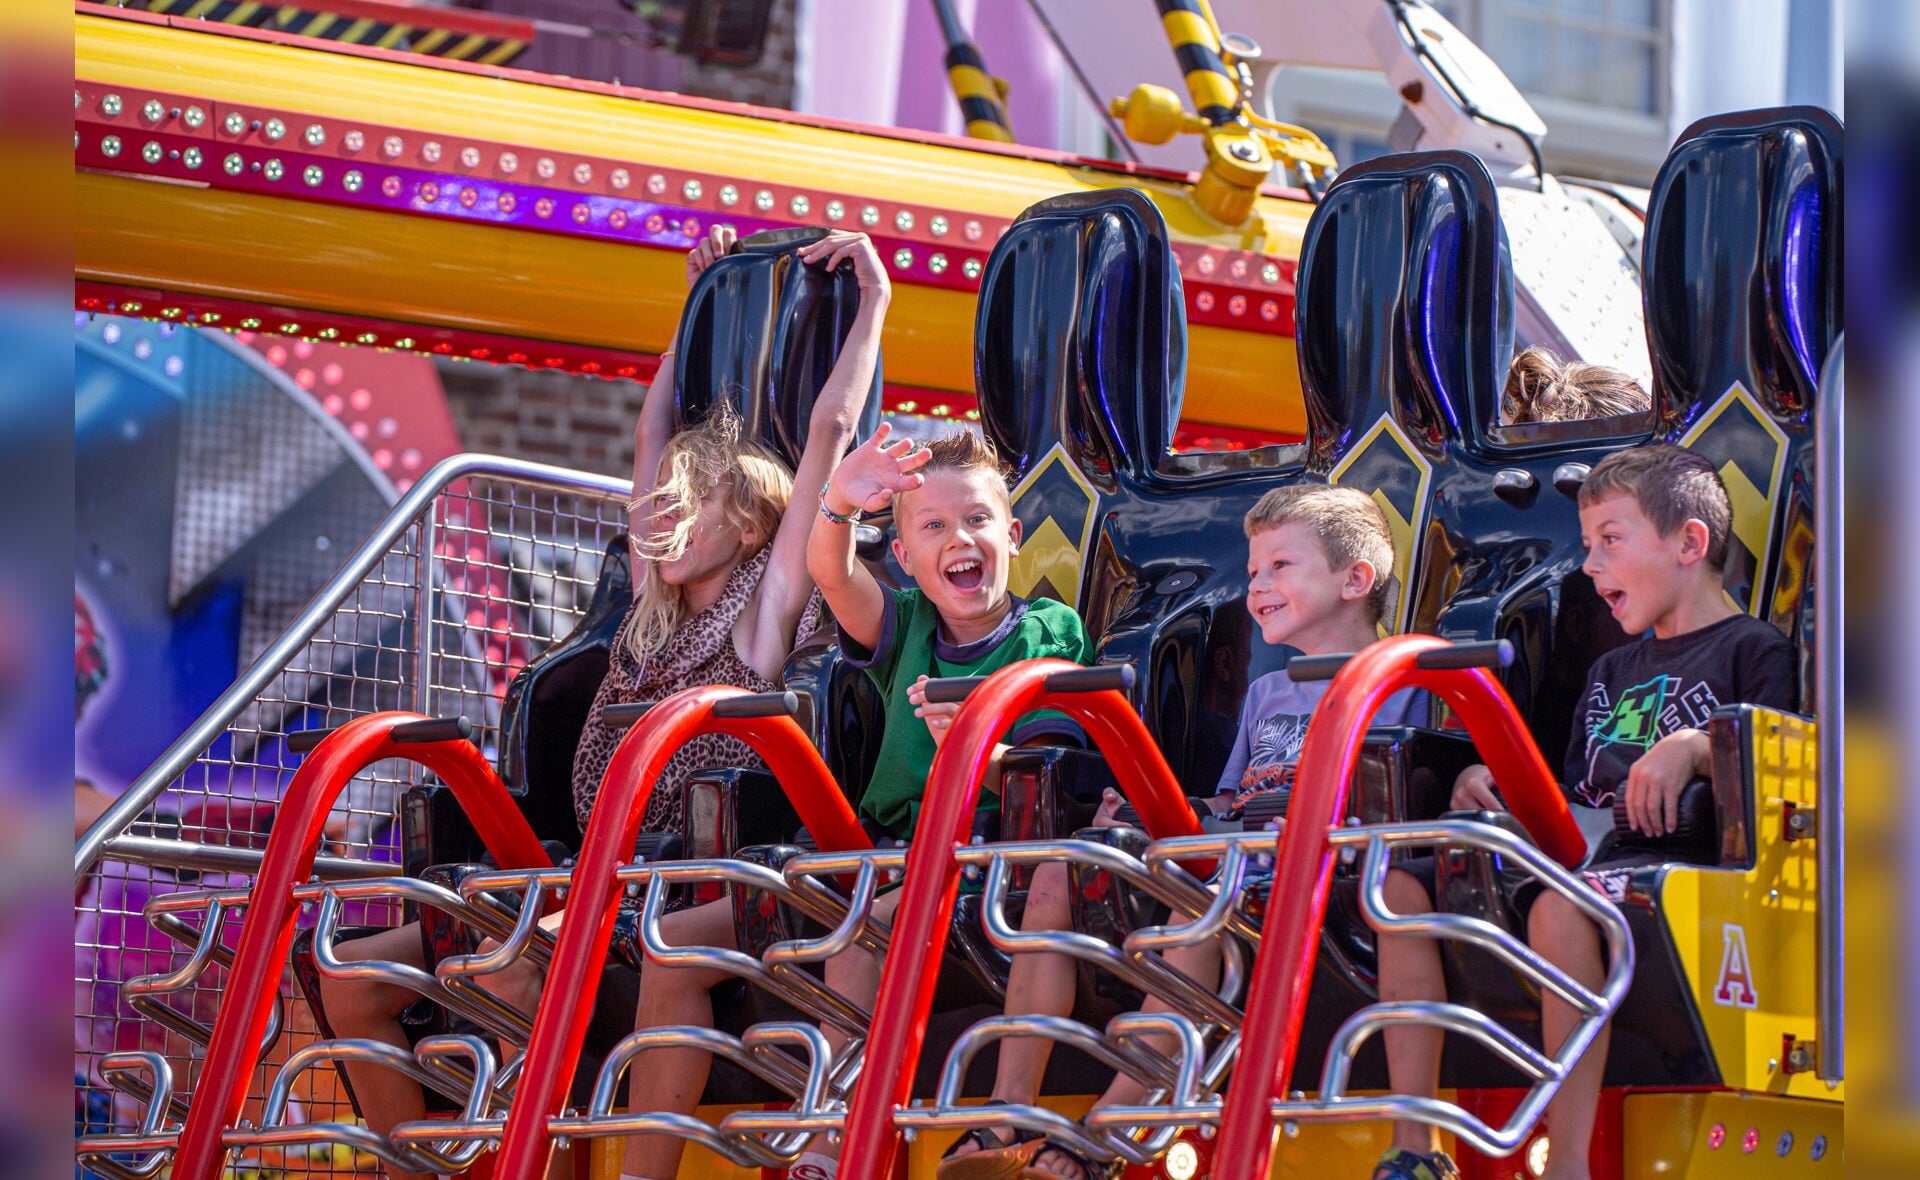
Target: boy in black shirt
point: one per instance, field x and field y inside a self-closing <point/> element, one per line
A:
<point x="1655" y="521"/>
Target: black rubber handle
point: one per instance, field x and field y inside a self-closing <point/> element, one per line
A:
<point x="428" y="729"/>
<point x="621" y="716"/>
<point x="1107" y="676"/>
<point x="952" y="689"/>
<point x="759" y="704"/>
<point x="304" y="741"/>
<point x="433" y="729"/>
<point x="1316" y="667"/>
<point x="1482" y="653"/>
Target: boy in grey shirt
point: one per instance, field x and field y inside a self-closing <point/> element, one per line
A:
<point x="1318" y="568"/>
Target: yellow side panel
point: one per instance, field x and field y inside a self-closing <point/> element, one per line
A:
<point x="1672" y="1137"/>
<point x="1316" y="1152"/>
<point x="1748" y="940"/>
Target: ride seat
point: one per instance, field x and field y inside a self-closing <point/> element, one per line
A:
<point x="1742" y="287"/>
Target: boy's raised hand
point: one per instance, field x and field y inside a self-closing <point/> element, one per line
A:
<point x="871" y="474"/>
<point x="715" y="245"/>
<point x="855" y="250"/>
<point x="1473" y="791"/>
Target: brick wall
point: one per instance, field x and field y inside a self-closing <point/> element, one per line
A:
<point x="767" y="83"/>
<point x="630" y="61"/>
<point x="584" y="423"/>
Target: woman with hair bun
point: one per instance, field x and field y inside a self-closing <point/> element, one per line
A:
<point x="1542" y="388"/>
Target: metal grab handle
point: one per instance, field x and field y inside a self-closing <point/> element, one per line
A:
<point x="432" y="1067"/>
<point x="1479" y="653"/>
<point x="803" y="991"/>
<point x="428" y="729"/>
<point x="820" y="902"/>
<point x="1117" y="1050"/>
<point x="1118" y="677"/>
<point x="1137" y="965"/>
<point x="143" y="993"/>
<point x="456" y="994"/>
<point x="154" y="1137"/>
<point x="768" y="1139"/>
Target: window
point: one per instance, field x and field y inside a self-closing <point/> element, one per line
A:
<point x="1603" y="53"/>
<point x="1350" y="145"/>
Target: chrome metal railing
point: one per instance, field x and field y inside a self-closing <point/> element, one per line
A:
<point x="475" y="570"/>
<point x="412" y="509"/>
<point x="1829" y="706"/>
<point x="1184" y="1092"/>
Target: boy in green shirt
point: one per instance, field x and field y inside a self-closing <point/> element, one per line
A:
<point x="956" y="538"/>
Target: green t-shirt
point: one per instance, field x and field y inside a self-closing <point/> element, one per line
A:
<point x="911" y="647"/>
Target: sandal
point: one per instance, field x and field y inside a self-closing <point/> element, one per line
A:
<point x="1397" y="1163"/>
<point x="1013" y="1159"/>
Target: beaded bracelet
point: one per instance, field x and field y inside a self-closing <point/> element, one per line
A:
<point x="830" y="514"/>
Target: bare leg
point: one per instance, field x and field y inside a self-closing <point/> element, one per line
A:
<point x="1410" y="970"/>
<point x="1037" y="985"/>
<point x="372" y="1010"/>
<point x="855" y="974"/>
<point x="673" y="1079"/>
<point x="1569" y="940"/>
<point x="1199" y="963"/>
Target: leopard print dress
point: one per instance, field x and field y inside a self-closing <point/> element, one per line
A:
<point x="700" y="652"/>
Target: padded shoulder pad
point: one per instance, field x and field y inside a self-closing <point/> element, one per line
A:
<point x="761" y="331"/>
<point x="546" y="705"/>
<point x="1081" y="334"/>
<point x="1404" y="304"/>
<point x="1742" y="262"/>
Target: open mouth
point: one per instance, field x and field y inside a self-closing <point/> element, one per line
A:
<point x="1613" y="599"/>
<point x="966" y="575"/>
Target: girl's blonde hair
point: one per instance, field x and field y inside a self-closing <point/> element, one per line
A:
<point x="1540" y="388"/>
<point x="711" y="458"/>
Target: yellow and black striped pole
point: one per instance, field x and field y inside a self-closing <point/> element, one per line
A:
<point x="977" y="91"/>
<point x="1237" y="161"/>
<point x="1189" y="25"/>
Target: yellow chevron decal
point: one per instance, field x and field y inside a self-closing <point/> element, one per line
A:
<point x="1055" y="506"/>
<point x="1749" y="450"/>
<point x="1387" y="466"/>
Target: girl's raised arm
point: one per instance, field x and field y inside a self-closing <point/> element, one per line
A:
<point x="786" y="586"/>
<point x="655" y="425"/>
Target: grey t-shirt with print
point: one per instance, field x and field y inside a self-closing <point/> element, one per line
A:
<point x="1273" y="725"/>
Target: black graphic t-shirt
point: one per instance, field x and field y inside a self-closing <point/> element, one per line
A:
<point x="1644" y="691"/>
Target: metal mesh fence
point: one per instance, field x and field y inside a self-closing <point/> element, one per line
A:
<point x="482" y="575"/>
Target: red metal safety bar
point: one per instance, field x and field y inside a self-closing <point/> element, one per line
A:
<point x="1290" y="940"/>
<point x="560" y="1024"/>
<point x="933" y="876"/>
<point x="267" y="934"/>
